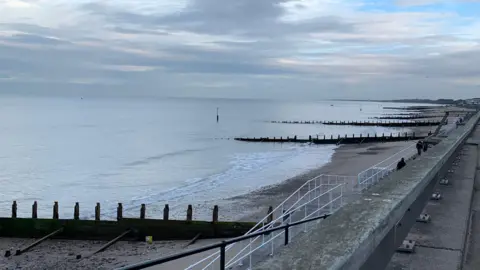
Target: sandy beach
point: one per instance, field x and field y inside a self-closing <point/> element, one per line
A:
<point x="348" y="160"/>
<point x="60" y="254"/>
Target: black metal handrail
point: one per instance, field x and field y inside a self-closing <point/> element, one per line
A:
<point x="222" y="245"/>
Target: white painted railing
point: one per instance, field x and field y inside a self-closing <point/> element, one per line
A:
<point x="320" y="195"/>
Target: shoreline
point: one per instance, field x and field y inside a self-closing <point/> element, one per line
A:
<point x="60" y="254"/>
<point x="348" y="160"/>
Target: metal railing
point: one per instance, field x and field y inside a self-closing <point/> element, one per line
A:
<point x="224" y="245"/>
<point x="375" y="173"/>
<point x="319" y="195"/>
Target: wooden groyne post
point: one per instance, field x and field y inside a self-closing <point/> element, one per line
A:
<point x="97" y="212"/>
<point x="55" y="210"/>
<point x="189" y="213"/>
<point x="142" y="211"/>
<point x="166" y="212"/>
<point x="14" y="209"/>
<point x="34" y="210"/>
<point x="215" y="214"/>
<point x="76" y="211"/>
<point x="119" y="211"/>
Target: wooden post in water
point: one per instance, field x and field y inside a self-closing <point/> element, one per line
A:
<point x="119" y="211"/>
<point x="142" y="211"/>
<point x="218" y="116"/>
<point x="34" y="210"/>
<point x="97" y="212"/>
<point x="270" y="214"/>
<point x="166" y="212"/>
<point x="55" y="210"/>
<point x="14" y="209"/>
<point x="189" y="213"/>
<point x="76" y="211"/>
<point x="215" y="214"/>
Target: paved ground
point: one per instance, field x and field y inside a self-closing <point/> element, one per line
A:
<point x="453" y="237"/>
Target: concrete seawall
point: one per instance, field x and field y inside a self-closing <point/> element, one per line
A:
<point x="365" y="234"/>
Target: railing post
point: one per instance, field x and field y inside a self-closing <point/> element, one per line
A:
<point x="286" y="233"/>
<point x="330" y="198"/>
<point x="222" y="255"/>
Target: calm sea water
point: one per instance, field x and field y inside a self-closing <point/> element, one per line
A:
<point x="161" y="150"/>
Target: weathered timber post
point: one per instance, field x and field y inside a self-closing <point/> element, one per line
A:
<point x="270" y="214"/>
<point x="14" y="209"/>
<point x="189" y="213"/>
<point x="97" y="212"/>
<point x="119" y="211"/>
<point x="142" y="211"/>
<point x="166" y="211"/>
<point x="76" y="211"/>
<point x="55" y="210"/>
<point x="215" y="214"/>
<point x="34" y="210"/>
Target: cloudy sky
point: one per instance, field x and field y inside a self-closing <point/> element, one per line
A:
<point x="243" y="48"/>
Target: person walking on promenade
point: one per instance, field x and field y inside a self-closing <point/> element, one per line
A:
<point x="419" y="147"/>
<point x="401" y="164"/>
<point x="425" y="147"/>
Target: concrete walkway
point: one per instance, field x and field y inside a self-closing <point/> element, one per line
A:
<point x="443" y="243"/>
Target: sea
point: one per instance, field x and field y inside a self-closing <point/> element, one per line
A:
<point x="158" y="150"/>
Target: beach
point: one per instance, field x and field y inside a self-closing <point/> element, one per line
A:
<point x="60" y="254"/>
<point x="347" y="160"/>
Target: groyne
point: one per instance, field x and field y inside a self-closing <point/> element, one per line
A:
<point x="139" y="228"/>
<point x="359" y="139"/>
<point x="365" y="123"/>
<point x="406" y="117"/>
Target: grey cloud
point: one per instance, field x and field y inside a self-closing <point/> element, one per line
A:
<point x="242" y="18"/>
<point x="36" y="39"/>
<point x="453" y="65"/>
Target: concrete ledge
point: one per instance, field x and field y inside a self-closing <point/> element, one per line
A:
<point x="365" y="233"/>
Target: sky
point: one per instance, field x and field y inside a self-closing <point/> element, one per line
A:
<point x="291" y="49"/>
